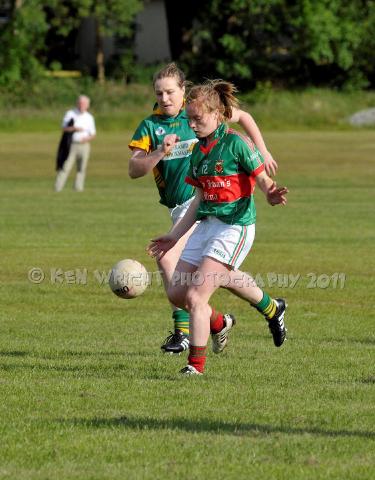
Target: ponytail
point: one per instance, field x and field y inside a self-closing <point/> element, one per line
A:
<point x="226" y="91"/>
<point x="215" y="95"/>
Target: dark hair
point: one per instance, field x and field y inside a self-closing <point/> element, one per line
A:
<point x="170" y="70"/>
<point x="215" y="95"/>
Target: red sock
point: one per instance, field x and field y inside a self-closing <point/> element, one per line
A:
<point x="197" y="357"/>
<point x="216" y="321"/>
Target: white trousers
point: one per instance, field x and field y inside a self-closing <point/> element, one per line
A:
<point x="79" y="154"/>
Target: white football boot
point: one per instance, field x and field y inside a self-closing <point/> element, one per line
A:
<point x="220" y="340"/>
<point x="190" y="370"/>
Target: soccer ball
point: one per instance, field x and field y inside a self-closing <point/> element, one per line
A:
<point x="128" y="279"/>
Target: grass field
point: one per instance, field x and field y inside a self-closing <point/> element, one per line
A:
<point x="86" y="393"/>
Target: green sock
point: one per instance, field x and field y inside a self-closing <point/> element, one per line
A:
<point x="266" y="306"/>
<point x="181" y="321"/>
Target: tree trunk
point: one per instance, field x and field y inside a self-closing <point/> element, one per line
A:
<point x="99" y="54"/>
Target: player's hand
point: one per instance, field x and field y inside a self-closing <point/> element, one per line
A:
<point x="159" y="246"/>
<point x="169" y="142"/>
<point x="270" y="164"/>
<point x="277" y="195"/>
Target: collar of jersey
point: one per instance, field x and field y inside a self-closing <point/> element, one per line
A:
<point x="218" y="134"/>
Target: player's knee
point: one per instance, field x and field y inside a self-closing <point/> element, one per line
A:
<point x="193" y="299"/>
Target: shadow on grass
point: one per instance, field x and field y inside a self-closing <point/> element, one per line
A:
<point x="362" y="341"/>
<point x="60" y="354"/>
<point x="88" y="369"/>
<point x="210" y="426"/>
<point x="369" y="380"/>
<point x="13" y="353"/>
<point x="80" y="354"/>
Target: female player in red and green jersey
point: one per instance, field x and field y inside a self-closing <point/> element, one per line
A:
<point x="163" y="143"/>
<point x="224" y="168"/>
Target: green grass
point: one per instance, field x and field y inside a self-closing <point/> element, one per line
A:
<point x="86" y="393"/>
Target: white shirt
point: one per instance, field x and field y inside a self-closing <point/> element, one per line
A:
<point x="81" y="120"/>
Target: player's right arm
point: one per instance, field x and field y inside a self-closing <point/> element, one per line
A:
<point x="141" y="162"/>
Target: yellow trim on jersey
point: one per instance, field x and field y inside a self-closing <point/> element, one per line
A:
<point x="143" y="143"/>
<point x="157" y="110"/>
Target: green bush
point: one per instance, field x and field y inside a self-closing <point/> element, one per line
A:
<point x="116" y="105"/>
<point x="308" y="108"/>
<point x="60" y="92"/>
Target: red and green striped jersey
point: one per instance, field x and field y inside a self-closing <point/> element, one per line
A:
<point x="226" y="169"/>
<point x="170" y="172"/>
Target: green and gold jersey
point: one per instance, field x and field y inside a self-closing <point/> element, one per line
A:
<point x="226" y="169"/>
<point x="171" y="171"/>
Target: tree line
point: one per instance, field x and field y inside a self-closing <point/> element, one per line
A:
<point x="287" y="43"/>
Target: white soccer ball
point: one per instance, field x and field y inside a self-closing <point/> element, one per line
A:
<point x="128" y="279"/>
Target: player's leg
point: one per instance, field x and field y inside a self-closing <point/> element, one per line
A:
<point x="178" y="340"/>
<point x="202" y="284"/>
<point x="82" y="162"/>
<point x="62" y="175"/>
<point x="192" y="286"/>
<point x="229" y="245"/>
<point x="273" y="309"/>
<point x="233" y="243"/>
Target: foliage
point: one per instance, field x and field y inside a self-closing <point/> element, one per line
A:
<point x="49" y="93"/>
<point x="316" y="42"/>
<point x="300" y="43"/>
<point x="22" y="56"/>
<point x="39" y="106"/>
<point x="112" y="18"/>
<point x="22" y="40"/>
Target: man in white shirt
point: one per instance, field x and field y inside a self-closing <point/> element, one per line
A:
<point x="81" y="124"/>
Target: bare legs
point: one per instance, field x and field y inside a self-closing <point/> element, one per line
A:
<point x="194" y="292"/>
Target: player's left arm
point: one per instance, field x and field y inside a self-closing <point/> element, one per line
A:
<point x="252" y="130"/>
<point x="275" y="195"/>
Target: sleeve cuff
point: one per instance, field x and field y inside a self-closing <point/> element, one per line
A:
<point x="141" y="145"/>
<point x="258" y="170"/>
<point x="192" y="181"/>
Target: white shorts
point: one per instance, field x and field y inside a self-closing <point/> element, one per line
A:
<point x="229" y="244"/>
<point x="179" y="211"/>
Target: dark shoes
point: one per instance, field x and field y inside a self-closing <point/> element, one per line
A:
<point x="176" y="343"/>
<point x="277" y="325"/>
